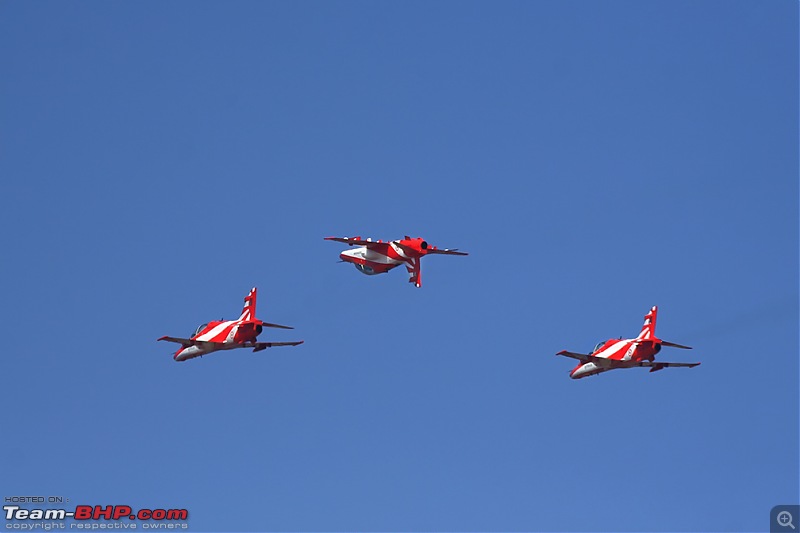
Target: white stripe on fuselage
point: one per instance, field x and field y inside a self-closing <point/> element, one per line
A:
<point x="219" y="328"/>
<point x="611" y="350"/>
<point x="400" y="251"/>
<point x="372" y="256"/>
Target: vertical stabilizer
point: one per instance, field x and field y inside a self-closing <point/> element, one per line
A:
<point x="649" y="326"/>
<point x="249" y="309"/>
<point x="414" y="273"/>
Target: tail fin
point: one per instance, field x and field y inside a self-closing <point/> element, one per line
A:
<point x="249" y="309"/>
<point x="649" y="326"/>
<point x="414" y="274"/>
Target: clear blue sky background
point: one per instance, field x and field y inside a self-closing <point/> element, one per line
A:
<point x="595" y="158"/>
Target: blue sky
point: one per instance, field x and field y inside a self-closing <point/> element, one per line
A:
<point x="595" y="159"/>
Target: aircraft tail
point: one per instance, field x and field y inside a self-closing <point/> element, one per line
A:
<point x="249" y="309"/>
<point x="649" y="327"/>
<point x="414" y="273"/>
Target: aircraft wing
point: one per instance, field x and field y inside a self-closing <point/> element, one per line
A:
<point x="432" y="249"/>
<point x="264" y="345"/>
<point x="354" y="241"/>
<point x="657" y="365"/>
<point x="599" y="361"/>
<point x="190" y="342"/>
<point x="613" y="363"/>
<point x="179" y="340"/>
<point x="586" y="358"/>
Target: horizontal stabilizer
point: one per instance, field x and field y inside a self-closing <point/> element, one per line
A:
<point x="673" y="345"/>
<point x="447" y="251"/>
<point x="268" y="325"/>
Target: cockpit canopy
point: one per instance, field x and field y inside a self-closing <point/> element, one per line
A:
<point x="365" y="269"/>
<point x="200" y="328"/>
<point x="598" y="346"/>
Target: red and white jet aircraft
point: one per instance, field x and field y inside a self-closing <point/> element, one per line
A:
<point x="229" y="334"/>
<point x="377" y="257"/>
<point x="625" y="353"/>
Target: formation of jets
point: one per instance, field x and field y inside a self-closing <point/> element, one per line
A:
<point x="379" y="257"/>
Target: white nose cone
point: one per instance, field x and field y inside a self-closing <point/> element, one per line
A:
<point x="355" y="253"/>
<point x="583" y="370"/>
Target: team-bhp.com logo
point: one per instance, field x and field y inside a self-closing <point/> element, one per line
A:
<point x="154" y="518"/>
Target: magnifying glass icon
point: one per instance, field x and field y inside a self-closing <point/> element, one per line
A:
<point x="785" y="519"/>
